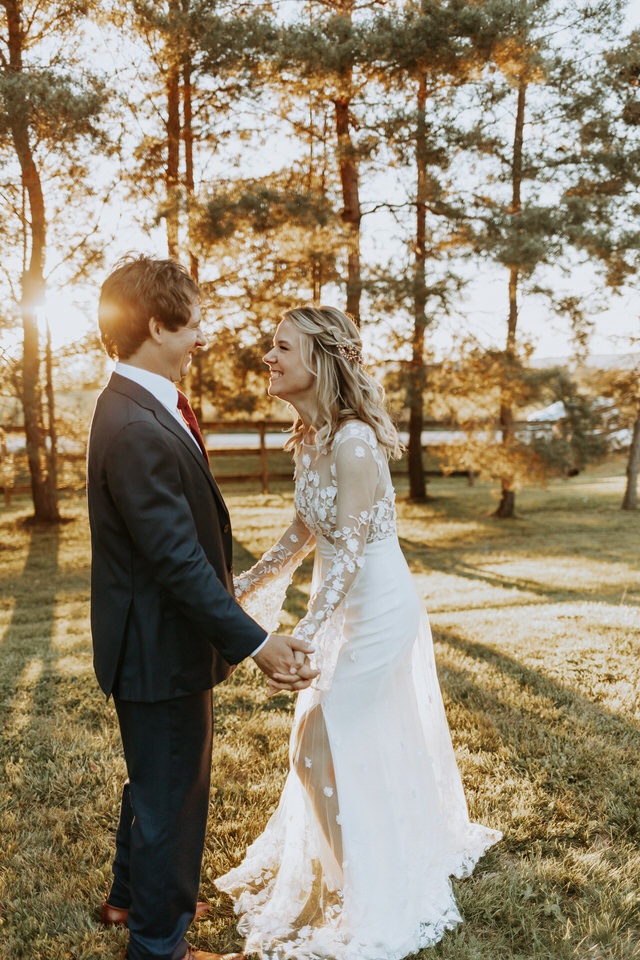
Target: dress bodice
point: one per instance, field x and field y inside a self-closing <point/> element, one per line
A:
<point x="344" y="500"/>
<point x="316" y="483"/>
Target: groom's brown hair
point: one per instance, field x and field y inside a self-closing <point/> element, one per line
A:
<point x="138" y="289"/>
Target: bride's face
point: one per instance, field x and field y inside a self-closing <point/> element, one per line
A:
<point x="290" y="380"/>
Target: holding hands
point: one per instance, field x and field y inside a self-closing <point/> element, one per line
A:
<point x="285" y="661"/>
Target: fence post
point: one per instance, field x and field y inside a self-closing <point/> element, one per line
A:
<point x="264" y="466"/>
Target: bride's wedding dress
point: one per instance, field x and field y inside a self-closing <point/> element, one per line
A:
<point x="355" y="863"/>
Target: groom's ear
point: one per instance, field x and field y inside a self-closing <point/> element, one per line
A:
<point x="156" y="330"/>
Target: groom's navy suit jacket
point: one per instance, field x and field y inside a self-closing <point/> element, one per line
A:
<point x="163" y="617"/>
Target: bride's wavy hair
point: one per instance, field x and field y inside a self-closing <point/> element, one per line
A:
<point x="332" y="352"/>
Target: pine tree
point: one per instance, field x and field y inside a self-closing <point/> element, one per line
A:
<point x="525" y="227"/>
<point x="202" y="55"/>
<point x="327" y="55"/>
<point x="422" y="57"/>
<point x="601" y="205"/>
<point x="275" y="238"/>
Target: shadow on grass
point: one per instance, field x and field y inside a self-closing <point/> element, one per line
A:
<point x="27" y="639"/>
<point x="574" y="750"/>
<point x="560" y="772"/>
<point x="442" y="560"/>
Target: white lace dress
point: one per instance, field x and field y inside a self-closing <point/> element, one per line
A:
<point x="355" y="863"/>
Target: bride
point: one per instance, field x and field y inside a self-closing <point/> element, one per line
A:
<point x="355" y="863"/>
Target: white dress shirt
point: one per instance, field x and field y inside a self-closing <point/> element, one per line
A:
<point x="162" y="389"/>
<point x="165" y="393"/>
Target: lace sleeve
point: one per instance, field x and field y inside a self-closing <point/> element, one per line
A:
<point x="357" y="473"/>
<point x="261" y="590"/>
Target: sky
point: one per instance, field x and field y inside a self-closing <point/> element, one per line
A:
<point x="482" y="311"/>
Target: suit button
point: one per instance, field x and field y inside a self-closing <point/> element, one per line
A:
<point x="226" y="528"/>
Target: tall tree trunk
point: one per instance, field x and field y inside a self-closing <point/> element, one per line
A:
<point x="195" y="373"/>
<point x="189" y="179"/>
<point x="43" y="488"/>
<point x="52" y="451"/>
<point x="316" y="279"/>
<point x="172" y="174"/>
<point x="417" y="483"/>
<point x="315" y="260"/>
<point x="351" y="214"/>
<point x="506" y="507"/>
<point x="630" y="501"/>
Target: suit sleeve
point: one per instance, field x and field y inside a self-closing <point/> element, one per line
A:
<point x="145" y="483"/>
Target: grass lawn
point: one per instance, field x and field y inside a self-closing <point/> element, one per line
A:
<point x="537" y="630"/>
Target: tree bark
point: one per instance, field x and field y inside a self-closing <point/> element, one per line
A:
<point x="43" y="488"/>
<point x="630" y="500"/>
<point x="189" y="178"/>
<point x="506" y="507"/>
<point x="172" y="173"/>
<point x="417" y="482"/>
<point x="351" y="214"/>
<point x="52" y="451"/>
<point x="195" y="373"/>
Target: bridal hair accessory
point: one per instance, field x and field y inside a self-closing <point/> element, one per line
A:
<point x="349" y="351"/>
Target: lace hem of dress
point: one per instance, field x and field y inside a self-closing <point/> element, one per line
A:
<point x="325" y="936"/>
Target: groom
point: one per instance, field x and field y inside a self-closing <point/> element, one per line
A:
<point x="165" y="625"/>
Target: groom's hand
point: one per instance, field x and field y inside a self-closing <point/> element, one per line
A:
<point x="283" y="659"/>
<point x="305" y="675"/>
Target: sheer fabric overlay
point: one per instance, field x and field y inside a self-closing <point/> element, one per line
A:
<point x="355" y="863"/>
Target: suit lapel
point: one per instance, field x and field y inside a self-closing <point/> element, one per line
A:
<point x="147" y="400"/>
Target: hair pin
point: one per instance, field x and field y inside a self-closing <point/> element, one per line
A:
<point x="349" y="351"/>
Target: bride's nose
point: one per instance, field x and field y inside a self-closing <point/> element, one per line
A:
<point x="268" y="357"/>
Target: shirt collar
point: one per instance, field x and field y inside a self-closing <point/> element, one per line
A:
<point x="162" y="389"/>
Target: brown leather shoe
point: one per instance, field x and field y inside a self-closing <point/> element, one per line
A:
<point x="112" y="916"/>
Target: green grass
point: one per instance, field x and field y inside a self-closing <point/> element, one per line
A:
<point x="537" y="631"/>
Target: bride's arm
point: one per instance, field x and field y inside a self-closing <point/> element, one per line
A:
<point x="282" y="559"/>
<point x="357" y="476"/>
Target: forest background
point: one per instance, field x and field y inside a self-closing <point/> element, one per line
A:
<point x="463" y="178"/>
<point x="460" y="176"/>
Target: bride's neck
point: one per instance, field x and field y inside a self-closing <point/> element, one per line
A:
<point x="307" y="415"/>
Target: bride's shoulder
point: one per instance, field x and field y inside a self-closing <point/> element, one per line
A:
<point x="355" y="430"/>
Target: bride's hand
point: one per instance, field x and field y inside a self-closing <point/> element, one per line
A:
<point x="306" y="673"/>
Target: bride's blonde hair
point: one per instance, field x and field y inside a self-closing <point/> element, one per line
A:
<point x="332" y="352"/>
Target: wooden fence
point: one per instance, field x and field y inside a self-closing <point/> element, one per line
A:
<point x="262" y="428"/>
<point x="14" y="478"/>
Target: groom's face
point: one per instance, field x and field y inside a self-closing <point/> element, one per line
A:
<point x="177" y="347"/>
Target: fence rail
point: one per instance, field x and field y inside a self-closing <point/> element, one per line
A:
<point x="14" y="477"/>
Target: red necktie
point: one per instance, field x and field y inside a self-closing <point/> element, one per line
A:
<point x="189" y="418"/>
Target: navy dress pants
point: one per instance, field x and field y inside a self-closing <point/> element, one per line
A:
<point x="163" y="817"/>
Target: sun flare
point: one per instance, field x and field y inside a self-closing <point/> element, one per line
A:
<point x="67" y="321"/>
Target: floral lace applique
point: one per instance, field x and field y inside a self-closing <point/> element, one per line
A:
<point x="317" y="484"/>
<point x="346" y="497"/>
<point x="261" y="590"/>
